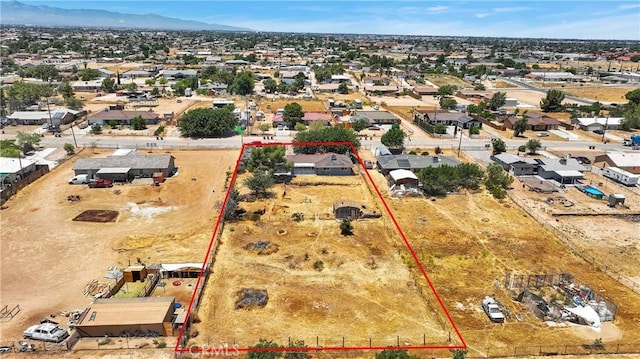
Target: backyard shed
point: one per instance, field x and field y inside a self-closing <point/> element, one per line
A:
<point x="132" y="316"/>
<point x="135" y="273"/>
<point x="404" y="177"/>
<point x="616" y="199"/>
<point x="116" y="174"/>
<point x="347" y="209"/>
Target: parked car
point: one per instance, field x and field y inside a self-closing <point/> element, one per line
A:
<point x="79" y="179"/>
<point x="48" y="332"/>
<point x="368" y="165"/>
<point x="492" y="309"/>
<point x="583" y="160"/>
<point x="100" y="183"/>
<point x="599" y="132"/>
<point x="543" y="134"/>
<point x="83" y="125"/>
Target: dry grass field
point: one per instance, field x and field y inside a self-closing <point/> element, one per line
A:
<point x="320" y="284"/>
<point x="502" y="84"/>
<point x="605" y="94"/>
<point x="307" y="105"/>
<point x="47" y="259"/>
<point x="441" y="80"/>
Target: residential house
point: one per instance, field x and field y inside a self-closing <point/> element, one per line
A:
<point x="125" y="167"/>
<point x="437" y="117"/>
<point x="179" y="74"/>
<point x="381" y="89"/>
<point x="377" y="118"/>
<point x="87" y="86"/>
<point x="628" y="161"/>
<point x="566" y="170"/>
<point x="135" y="74"/>
<point x="337" y="79"/>
<point x="413" y="163"/>
<point x="474" y="95"/>
<point x="310" y="117"/>
<point x="467" y="122"/>
<point x="54" y="117"/>
<point x="535" y="122"/>
<point x="425" y="90"/>
<point x="122" y="117"/>
<point x="516" y="165"/>
<point x="598" y="123"/>
<point x="326" y="164"/>
<point x="14" y="169"/>
<point x="326" y="88"/>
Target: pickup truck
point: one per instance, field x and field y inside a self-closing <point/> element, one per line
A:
<point x="492" y="309"/>
<point x="100" y="183"/>
<point x="47" y="332"/>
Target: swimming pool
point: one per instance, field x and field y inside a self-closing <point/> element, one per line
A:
<point x="593" y="191"/>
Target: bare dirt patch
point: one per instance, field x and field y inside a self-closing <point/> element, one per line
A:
<point x="441" y="80"/>
<point x="97" y="215"/>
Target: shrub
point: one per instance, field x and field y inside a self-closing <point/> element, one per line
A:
<point x="297" y="217"/>
<point x="318" y="265"/>
<point x="412" y="153"/>
<point x="438" y="150"/>
<point x="69" y="148"/>
<point x="425" y="153"/>
<point x="346" y="228"/>
<point x="161" y="345"/>
<point x="522" y="148"/>
<point x="159" y="131"/>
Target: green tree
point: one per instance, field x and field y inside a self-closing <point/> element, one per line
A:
<point x="359" y="124"/>
<point x="20" y="95"/>
<point x="519" y="126"/>
<point x="27" y="141"/>
<point x="497" y="100"/>
<point x="394" y="354"/>
<point x="633" y="96"/>
<point x="132" y="86"/>
<point x="138" y="123"/>
<point x="343" y="88"/>
<point x="265" y="344"/>
<point x="243" y="84"/>
<point x="326" y="134"/>
<point x="553" y="101"/>
<point x="497" y="181"/>
<point x="270" y="85"/>
<point x="108" y="85"/>
<point x="69" y="148"/>
<point x="268" y="159"/>
<point x="533" y="145"/>
<point x="474" y="130"/>
<point x="65" y="89"/>
<point x="259" y="183"/>
<point x="3" y="103"/>
<point x="300" y="127"/>
<point x="498" y="146"/>
<point x="631" y="117"/>
<point x="346" y="228"/>
<point x="446" y="90"/>
<point x="448" y="103"/>
<point x="207" y="122"/>
<point x="73" y="103"/>
<point x="96" y="129"/>
<point x="459" y="354"/>
<point x="293" y="113"/>
<point x="440" y="129"/>
<point x="394" y="138"/>
<point x="88" y="74"/>
<point x="9" y="148"/>
<point x="150" y="82"/>
<point x="264" y="127"/>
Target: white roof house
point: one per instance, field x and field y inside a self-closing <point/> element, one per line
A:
<point x="624" y="159"/>
<point x="10" y="165"/>
<point x="596" y="123"/>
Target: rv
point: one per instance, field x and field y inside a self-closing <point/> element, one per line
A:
<point x="620" y="175"/>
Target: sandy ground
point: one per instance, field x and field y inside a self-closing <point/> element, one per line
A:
<point x="365" y="289"/>
<point x="47" y="259"/>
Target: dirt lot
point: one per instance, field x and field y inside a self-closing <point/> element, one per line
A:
<point x="441" y="80"/>
<point x="364" y="289"/>
<point x="47" y="259"/>
<point x="606" y="94"/>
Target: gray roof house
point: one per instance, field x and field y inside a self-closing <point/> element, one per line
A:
<point x="563" y="170"/>
<point x="125" y="168"/>
<point x="466" y="122"/>
<point x="326" y="164"/>
<point x="179" y="74"/>
<point x="412" y="163"/>
<point x="516" y="165"/>
<point x="376" y="117"/>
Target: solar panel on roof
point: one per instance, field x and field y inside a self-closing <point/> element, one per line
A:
<point x="404" y="163"/>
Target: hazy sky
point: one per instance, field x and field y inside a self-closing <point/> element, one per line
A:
<point x="546" y="18"/>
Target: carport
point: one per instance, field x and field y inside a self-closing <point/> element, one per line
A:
<point x="116" y="174"/>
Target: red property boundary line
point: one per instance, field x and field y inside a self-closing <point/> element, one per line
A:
<point x="177" y="348"/>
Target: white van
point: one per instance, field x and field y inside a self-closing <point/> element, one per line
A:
<point x="79" y="179"/>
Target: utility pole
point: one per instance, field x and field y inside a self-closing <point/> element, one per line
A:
<point x="606" y="123"/>
<point x="459" y="142"/>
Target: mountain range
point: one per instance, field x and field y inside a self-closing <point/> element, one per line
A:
<point x="17" y="13"/>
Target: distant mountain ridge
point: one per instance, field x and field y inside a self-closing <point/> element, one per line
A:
<point x="17" y="13"/>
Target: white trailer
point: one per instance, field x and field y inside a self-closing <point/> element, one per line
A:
<point x="620" y="175"/>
